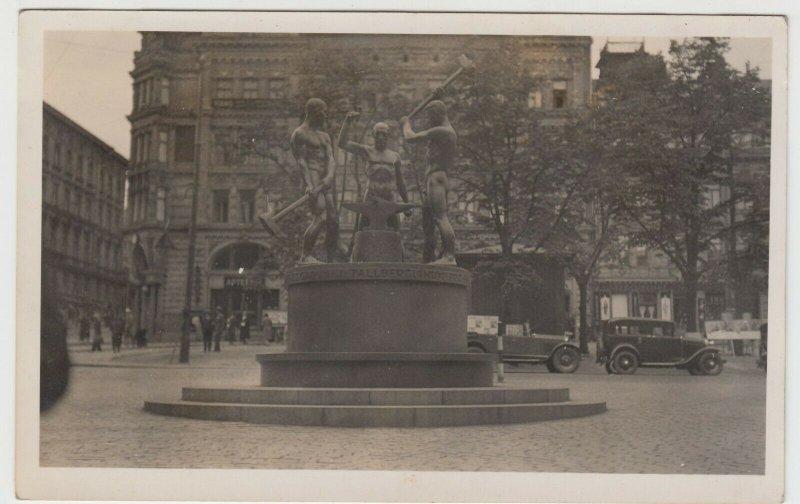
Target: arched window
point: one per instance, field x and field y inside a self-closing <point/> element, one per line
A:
<point x="237" y="256"/>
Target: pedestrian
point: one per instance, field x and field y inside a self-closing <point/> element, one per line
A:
<point x="117" y="331"/>
<point x="244" y="328"/>
<point x="269" y="331"/>
<point x="97" y="340"/>
<point x="207" y="327"/>
<point x="83" y="324"/>
<point x="230" y="329"/>
<point x="219" y="328"/>
<point x="129" y="329"/>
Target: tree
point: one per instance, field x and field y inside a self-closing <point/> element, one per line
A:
<point x="510" y="166"/>
<point x="676" y="123"/>
<point x="512" y="176"/>
<point x="594" y="220"/>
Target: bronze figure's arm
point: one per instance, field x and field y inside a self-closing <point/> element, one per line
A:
<point x="344" y="134"/>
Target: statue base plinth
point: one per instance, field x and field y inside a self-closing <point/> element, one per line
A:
<point x="377" y="246"/>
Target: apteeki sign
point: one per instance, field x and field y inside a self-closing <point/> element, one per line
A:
<point x="242" y="282"/>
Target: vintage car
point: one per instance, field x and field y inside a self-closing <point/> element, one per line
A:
<point x="561" y="354"/>
<point x="761" y="359"/>
<point x="625" y="344"/>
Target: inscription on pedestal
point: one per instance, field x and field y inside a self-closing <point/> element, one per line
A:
<point x="412" y="273"/>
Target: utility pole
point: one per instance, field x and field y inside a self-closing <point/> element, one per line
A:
<point x="187" y="305"/>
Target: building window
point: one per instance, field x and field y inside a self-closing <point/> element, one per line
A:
<point x="250" y="89"/>
<point x="184" y="143"/>
<point x="224" y="89"/>
<point x="220" y="201"/>
<point x="247" y="205"/>
<point x="57" y="156"/>
<point x="161" y="195"/>
<point x="163" y="138"/>
<point x="277" y="88"/>
<point x="68" y="163"/>
<point x="535" y="99"/>
<point x="559" y="94"/>
<point x="164" y="91"/>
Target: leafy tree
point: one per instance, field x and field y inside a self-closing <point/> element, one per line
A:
<point x="512" y="176"/>
<point x="595" y="217"/>
<point x="675" y="126"/>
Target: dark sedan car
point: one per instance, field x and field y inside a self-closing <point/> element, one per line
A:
<point x="629" y="343"/>
<point x="559" y="353"/>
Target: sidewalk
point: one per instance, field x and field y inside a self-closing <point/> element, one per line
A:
<point x="165" y="355"/>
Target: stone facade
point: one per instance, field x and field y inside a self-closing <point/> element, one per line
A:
<point x="83" y="189"/>
<point x="241" y="83"/>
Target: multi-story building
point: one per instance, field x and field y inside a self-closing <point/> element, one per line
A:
<point x="206" y="100"/>
<point x="83" y="191"/>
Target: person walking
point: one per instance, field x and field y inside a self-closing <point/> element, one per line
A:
<point x="97" y="340"/>
<point x="244" y="328"/>
<point x="269" y="330"/>
<point x="83" y="325"/>
<point x="207" y="327"/>
<point x="230" y="329"/>
<point x="117" y="327"/>
<point x="129" y="329"/>
<point x="219" y="328"/>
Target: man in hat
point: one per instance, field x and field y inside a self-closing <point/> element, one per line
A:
<point x="441" y="139"/>
<point x="384" y="176"/>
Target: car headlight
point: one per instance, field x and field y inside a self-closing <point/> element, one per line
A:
<point x="709" y="342"/>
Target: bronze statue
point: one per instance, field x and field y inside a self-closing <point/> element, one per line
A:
<point x="441" y="138"/>
<point x="313" y="152"/>
<point x="384" y="176"/>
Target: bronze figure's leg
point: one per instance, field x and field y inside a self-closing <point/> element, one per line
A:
<point x="331" y="226"/>
<point x="317" y="206"/>
<point x="437" y="200"/>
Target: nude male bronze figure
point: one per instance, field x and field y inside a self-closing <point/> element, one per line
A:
<point x="384" y="175"/>
<point x="313" y="152"/>
<point x="441" y="140"/>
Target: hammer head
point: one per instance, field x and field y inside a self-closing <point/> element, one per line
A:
<point x="267" y="219"/>
<point x="466" y="63"/>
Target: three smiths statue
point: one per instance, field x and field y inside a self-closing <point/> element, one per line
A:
<point x="313" y="152"/>
<point x="441" y="138"/>
<point x="384" y="174"/>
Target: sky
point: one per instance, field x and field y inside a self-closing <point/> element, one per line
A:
<point x="87" y="75"/>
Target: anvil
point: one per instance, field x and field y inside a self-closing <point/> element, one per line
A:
<point x="377" y="210"/>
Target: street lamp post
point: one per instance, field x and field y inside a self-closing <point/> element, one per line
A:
<point x="187" y="306"/>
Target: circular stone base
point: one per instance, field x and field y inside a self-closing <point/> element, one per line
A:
<point x="370" y="370"/>
<point x="377" y="307"/>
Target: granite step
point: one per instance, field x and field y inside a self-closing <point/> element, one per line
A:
<point x="446" y="415"/>
<point x="375" y="396"/>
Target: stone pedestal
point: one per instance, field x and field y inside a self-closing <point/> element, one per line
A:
<point x="377" y="343"/>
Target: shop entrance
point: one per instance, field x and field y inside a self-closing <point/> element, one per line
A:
<point x="253" y="301"/>
<point x="239" y="282"/>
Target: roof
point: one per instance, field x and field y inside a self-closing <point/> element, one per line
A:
<point x="49" y="109"/>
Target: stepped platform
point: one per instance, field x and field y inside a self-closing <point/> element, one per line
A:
<point x="376" y="407"/>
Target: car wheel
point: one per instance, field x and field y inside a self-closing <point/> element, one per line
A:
<point x="475" y="349"/>
<point x="709" y="364"/>
<point x="566" y="360"/>
<point x="626" y="362"/>
<point x="549" y="364"/>
<point x="693" y="369"/>
<point x="610" y="367"/>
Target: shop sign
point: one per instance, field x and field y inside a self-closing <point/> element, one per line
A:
<point x="243" y="282"/>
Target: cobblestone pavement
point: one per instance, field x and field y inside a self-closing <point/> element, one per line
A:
<point x="658" y="421"/>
